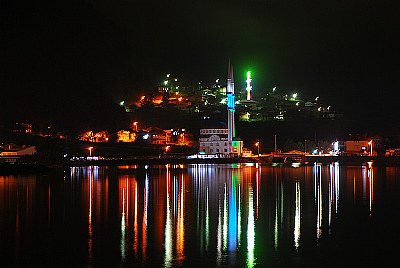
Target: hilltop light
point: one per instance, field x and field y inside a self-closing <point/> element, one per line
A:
<point x="294" y="95"/>
<point x="122" y="103"/>
<point x="166" y="82"/>
<point x="248" y="83"/>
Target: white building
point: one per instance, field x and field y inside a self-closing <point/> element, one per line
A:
<point x="214" y="141"/>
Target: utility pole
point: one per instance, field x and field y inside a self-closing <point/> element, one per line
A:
<point x="275" y="143"/>
<point x="305" y="146"/>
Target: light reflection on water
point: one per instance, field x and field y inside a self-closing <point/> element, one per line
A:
<point x="218" y="215"/>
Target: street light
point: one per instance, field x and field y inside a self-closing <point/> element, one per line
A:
<point x="135" y="124"/>
<point x="167" y="148"/>
<point x="258" y="147"/>
<point x="90" y="151"/>
<point x="370" y="144"/>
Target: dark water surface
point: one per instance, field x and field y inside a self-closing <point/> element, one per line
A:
<point x="202" y="215"/>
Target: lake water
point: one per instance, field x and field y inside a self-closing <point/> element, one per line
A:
<point x="202" y="215"/>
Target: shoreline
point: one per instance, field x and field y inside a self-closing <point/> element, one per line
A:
<point x="308" y="160"/>
<point x="264" y="160"/>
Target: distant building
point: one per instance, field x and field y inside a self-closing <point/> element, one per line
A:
<point x="159" y="136"/>
<point x="101" y="136"/>
<point x="356" y="145"/>
<point x="126" y="136"/>
<point x="392" y="152"/>
<point x="23" y="128"/>
<point x="237" y="146"/>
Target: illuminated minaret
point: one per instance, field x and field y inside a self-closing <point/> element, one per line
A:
<point x="248" y="87"/>
<point x="230" y="92"/>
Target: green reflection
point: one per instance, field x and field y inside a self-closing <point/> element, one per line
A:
<point x="250" y="232"/>
<point x="207" y="221"/>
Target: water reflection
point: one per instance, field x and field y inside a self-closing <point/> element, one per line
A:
<point x="297" y="216"/>
<point x="250" y="231"/>
<point x="216" y="215"/>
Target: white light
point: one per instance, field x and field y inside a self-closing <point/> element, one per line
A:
<point x="122" y="103"/>
<point x="168" y="75"/>
<point x="294" y="95"/>
<point x="145" y="136"/>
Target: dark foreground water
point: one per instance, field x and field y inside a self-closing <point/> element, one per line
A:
<point x="202" y="216"/>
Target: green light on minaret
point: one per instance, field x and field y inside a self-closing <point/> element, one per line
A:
<point x="249" y="75"/>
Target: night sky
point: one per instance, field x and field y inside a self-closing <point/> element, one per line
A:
<point x="62" y="59"/>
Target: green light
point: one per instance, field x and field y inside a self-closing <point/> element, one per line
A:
<point x="249" y="75"/>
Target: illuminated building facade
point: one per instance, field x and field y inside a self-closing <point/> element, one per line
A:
<point x="214" y="141"/>
<point x="126" y="136"/>
<point x="356" y="145"/>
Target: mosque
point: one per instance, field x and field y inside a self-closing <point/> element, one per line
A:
<point x="224" y="142"/>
